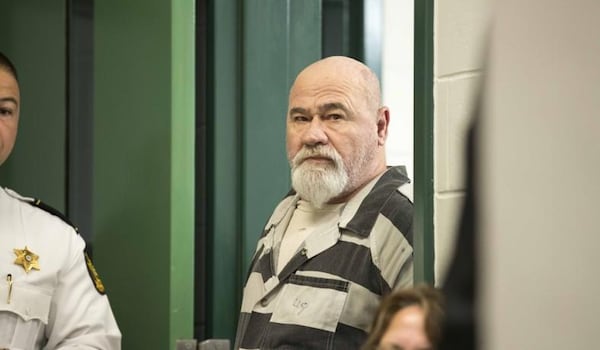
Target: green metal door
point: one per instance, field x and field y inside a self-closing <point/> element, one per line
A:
<point x="257" y="48"/>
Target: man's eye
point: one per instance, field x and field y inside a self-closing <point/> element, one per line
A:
<point x="6" y="112"/>
<point x="299" y="118"/>
<point x="335" y="116"/>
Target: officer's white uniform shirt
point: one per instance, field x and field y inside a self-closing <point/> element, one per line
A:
<point x="57" y="306"/>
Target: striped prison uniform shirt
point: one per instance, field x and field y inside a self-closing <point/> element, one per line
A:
<point x="327" y="294"/>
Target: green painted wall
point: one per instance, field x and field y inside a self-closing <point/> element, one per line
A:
<point x="33" y="36"/>
<point x="144" y="166"/>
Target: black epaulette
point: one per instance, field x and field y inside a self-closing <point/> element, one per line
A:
<point x="41" y="205"/>
<point x="50" y="210"/>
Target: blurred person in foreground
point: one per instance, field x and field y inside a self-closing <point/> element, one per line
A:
<point x="342" y="238"/>
<point x="50" y="294"/>
<point x="409" y="319"/>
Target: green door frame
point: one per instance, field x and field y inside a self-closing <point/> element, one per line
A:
<point x="143" y="161"/>
<point x="423" y="141"/>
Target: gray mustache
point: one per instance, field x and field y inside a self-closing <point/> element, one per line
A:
<point x="324" y="152"/>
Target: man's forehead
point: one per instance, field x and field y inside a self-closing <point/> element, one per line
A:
<point x="325" y="91"/>
<point x="333" y="97"/>
<point x="314" y="81"/>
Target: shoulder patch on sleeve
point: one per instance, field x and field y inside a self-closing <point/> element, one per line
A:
<point x="94" y="274"/>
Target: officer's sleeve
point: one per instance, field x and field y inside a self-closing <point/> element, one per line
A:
<point x="80" y="315"/>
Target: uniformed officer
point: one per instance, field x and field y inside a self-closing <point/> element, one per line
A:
<point x="50" y="294"/>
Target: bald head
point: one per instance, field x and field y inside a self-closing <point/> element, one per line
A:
<point x="346" y="72"/>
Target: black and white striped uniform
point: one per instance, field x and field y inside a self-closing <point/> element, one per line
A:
<point x="327" y="294"/>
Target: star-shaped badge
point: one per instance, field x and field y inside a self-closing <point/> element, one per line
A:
<point x="27" y="259"/>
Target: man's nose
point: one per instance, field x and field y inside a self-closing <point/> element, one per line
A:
<point x="315" y="133"/>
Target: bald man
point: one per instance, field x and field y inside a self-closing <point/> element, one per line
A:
<point x="342" y="238"/>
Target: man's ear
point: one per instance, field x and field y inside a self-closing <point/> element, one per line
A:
<point x="383" y="122"/>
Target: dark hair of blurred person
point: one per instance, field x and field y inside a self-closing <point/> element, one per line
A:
<point x="408" y="319"/>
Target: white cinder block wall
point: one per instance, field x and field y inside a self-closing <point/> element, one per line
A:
<point x="460" y="31"/>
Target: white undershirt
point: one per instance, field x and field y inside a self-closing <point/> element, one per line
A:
<point x="305" y="220"/>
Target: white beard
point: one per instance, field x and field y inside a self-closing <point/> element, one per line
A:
<point x="319" y="183"/>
